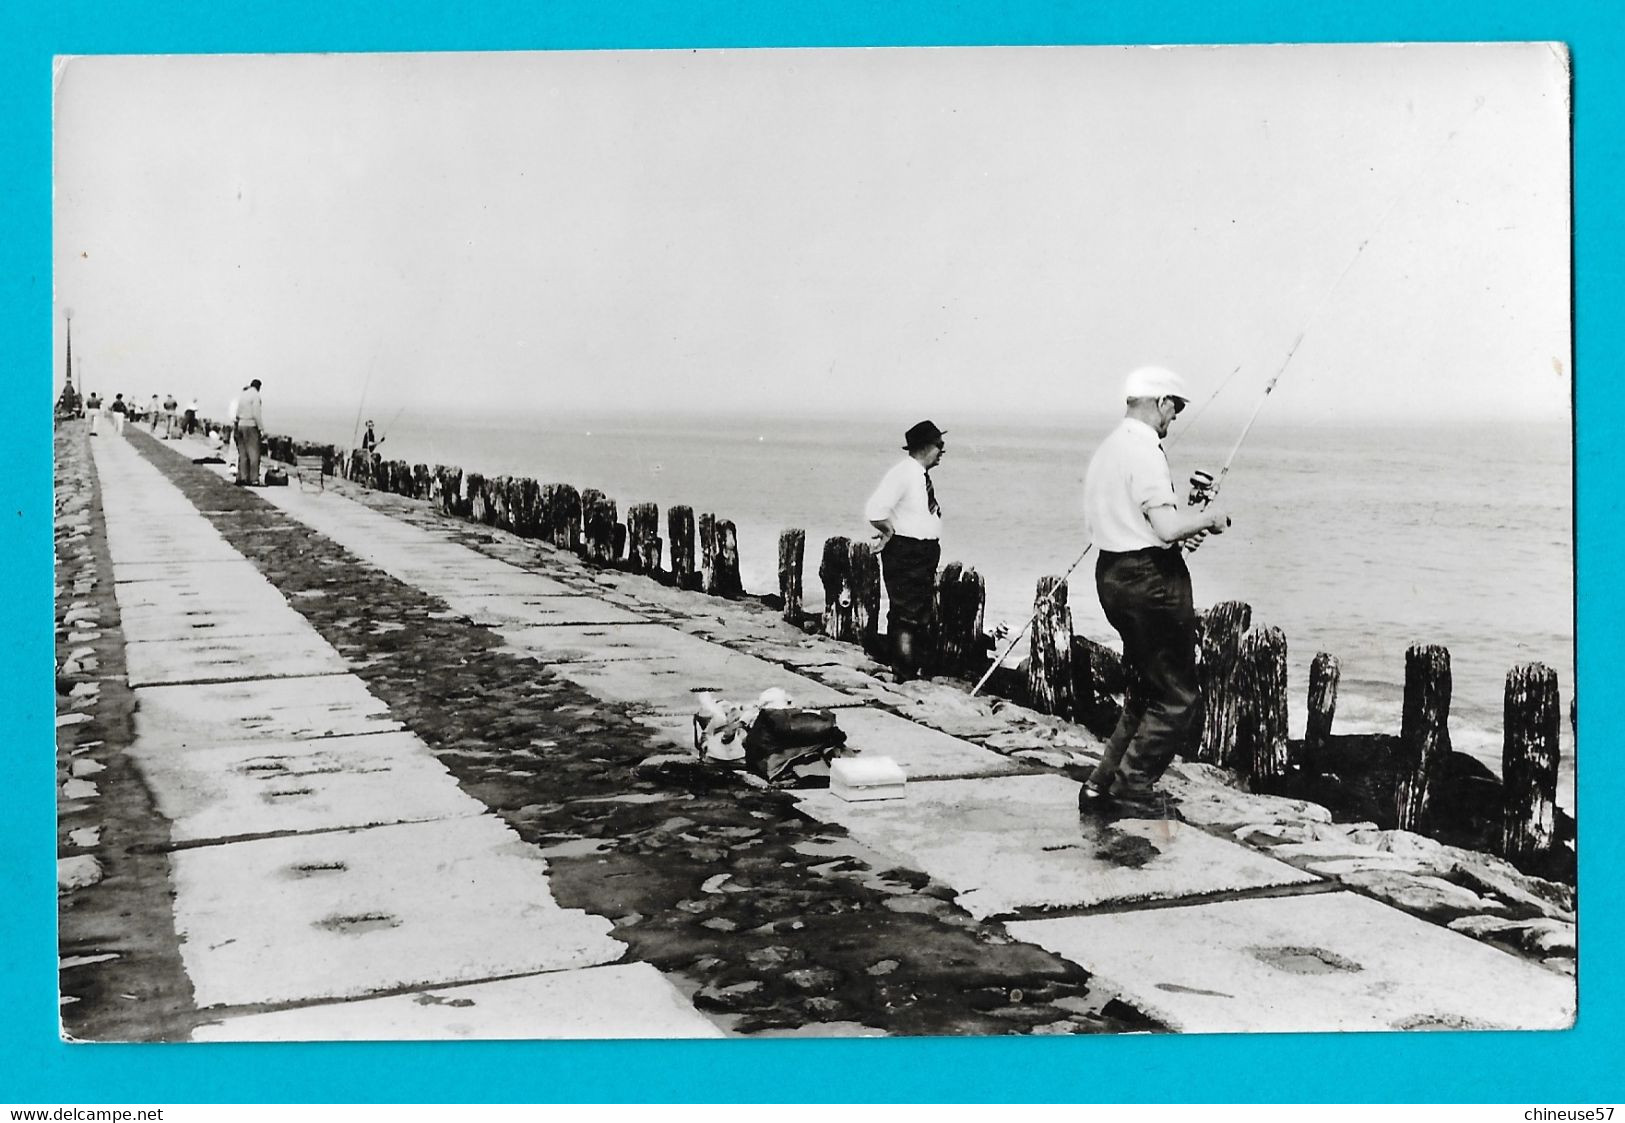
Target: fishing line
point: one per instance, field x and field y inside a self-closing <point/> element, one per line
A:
<point x="384" y="436"/>
<point x="355" y="430"/>
<point x="1478" y="103"/>
<point x="1210" y="491"/>
<point x="1186" y="428"/>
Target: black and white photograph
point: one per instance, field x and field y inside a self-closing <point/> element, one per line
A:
<point x="801" y="543"/>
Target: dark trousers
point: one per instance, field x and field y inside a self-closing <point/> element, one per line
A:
<point x="1146" y="596"/>
<point x="910" y="568"/>
<point x="248" y="454"/>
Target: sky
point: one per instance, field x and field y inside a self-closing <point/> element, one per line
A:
<point x="944" y="230"/>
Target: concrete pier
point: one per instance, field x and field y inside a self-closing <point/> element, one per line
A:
<point x="349" y="860"/>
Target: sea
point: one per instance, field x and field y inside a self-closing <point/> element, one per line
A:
<point x="1353" y="539"/>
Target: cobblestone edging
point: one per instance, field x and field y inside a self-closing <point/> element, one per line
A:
<point x="121" y="973"/>
<point x="771" y="921"/>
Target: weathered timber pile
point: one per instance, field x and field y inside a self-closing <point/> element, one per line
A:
<point x="1411" y="781"/>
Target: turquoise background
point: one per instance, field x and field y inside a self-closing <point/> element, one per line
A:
<point x="35" y="1067"/>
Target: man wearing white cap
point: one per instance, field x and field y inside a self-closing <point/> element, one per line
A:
<point x="1137" y="524"/>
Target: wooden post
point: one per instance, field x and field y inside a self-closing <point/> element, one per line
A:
<point x="643" y="537"/>
<point x="566" y="517"/>
<point x="598" y="526"/>
<point x="834" y="571"/>
<point x="1324" y="672"/>
<point x="514" y="494"/>
<point x="1529" y="753"/>
<point x="1097" y="676"/>
<point x="544" y="512"/>
<point x="792" y="551"/>
<point x="1424" y="732"/>
<point x="527" y="517"/>
<point x="617" y="548"/>
<point x="708" y="551"/>
<point x="1049" y="663"/>
<point x="496" y="498"/>
<point x="1259" y="680"/>
<point x="680" y="532"/>
<point x="1220" y="639"/>
<point x="725" y="568"/>
<point x="474" y="487"/>
<point x="863" y="573"/>
<point x="552" y="510"/>
<point x="451" y="493"/>
<point x="961" y="601"/>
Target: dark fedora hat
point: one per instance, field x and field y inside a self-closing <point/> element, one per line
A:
<point x="921" y="436"/>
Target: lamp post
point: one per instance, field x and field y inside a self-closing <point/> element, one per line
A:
<point x="77" y="395"/>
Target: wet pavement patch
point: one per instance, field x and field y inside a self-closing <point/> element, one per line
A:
<point x="365" y="922"/>
<point x="1304" y="961"/>
<point x="1127" y="850"/>
<point x="790" y="939"/>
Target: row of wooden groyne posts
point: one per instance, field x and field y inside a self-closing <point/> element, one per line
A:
<point x="1411" y="780"/>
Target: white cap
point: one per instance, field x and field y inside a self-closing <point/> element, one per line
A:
<point x="1155" y="382"/>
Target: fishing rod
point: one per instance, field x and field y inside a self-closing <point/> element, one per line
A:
<point x="1205" y="487"/>
<point x="1201" y="409"/>
<point x="355" y="430"/>
<point x="1015" y="639"/>
<point x="384" y="435"/>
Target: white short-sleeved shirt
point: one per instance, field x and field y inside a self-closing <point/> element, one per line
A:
<point x="248" y="409"/>
<point x="1127" y="477"/>
<point x="901" y="497"/>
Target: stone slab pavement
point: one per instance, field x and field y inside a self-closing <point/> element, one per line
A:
<point x="211" y="791"/>
<point x="628" y="1000"/>
<point x="1112" y="898"/>
<point x="319" y="852"/>
<point x="1318" y="964"/>
<point x="339" y="914"/>
<point x="1015" y="844"/>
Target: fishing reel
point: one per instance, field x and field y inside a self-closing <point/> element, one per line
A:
<point x="1201" y="493"/>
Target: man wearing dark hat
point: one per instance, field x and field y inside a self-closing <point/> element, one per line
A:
<point x="908" y="521"/>
<point x="1138" y="525"/>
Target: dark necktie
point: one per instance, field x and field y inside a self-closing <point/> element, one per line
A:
<point x="931" y="497"/>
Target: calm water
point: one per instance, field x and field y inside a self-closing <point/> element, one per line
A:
<point x="1359" y="542"/>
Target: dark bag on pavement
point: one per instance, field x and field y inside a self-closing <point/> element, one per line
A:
<point x="782" y="740"/>
<point x="276" y="477"/>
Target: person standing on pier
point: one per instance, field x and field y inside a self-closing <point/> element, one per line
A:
<point x="169" y="417"/>
<point x="189" y="418"/>
<point x="1137" y="524"/>
<point x="120" y="411"/>
<point x="370" y="441"/>
<point x="908" y="524"/>
<point x="250" y="423"/>
<point x="93" y="410"/>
